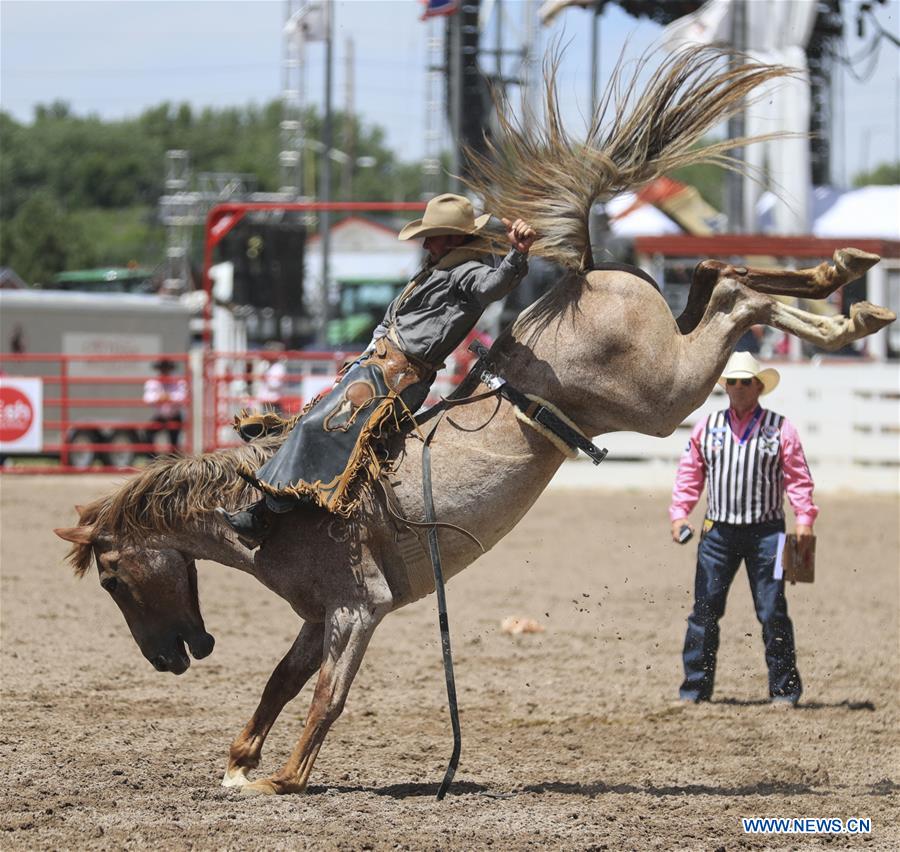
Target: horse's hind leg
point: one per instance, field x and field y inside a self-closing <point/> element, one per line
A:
<point x="739" y="304"/>
<point x="703" y="280"/>
<point x="815" y="283"/>
<point x="348" y="631"/>
<point x="732" y="309"/>
<point x="831" y="333"/>
<point x="297" y="666"/>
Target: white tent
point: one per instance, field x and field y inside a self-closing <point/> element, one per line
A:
<point x="371" y="265"/>
<point x="869" y="212"/>
<point x="872" y="212"/>
<point x="363" y="249"/>
<point x="644" y="221"/>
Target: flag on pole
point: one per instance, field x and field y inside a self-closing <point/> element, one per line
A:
<point x="551" y="8"/>
<point x="439" y="8"/>
<point x="309" y="22"/>
<point x="710" y="23"/>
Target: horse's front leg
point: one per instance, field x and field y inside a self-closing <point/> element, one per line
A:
<point x="298" y="665"/>
<point x="348" y="631"/>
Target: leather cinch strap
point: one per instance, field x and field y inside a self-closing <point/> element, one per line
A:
<point x="535" y="409"/>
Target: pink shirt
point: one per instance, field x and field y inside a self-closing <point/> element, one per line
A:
<point x="156" y="392"/>
<point x="798" y="483"/>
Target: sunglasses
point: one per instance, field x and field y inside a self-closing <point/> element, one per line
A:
<point x="745" y="382"/>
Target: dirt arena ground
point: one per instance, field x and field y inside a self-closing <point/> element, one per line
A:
<point x="571" y="738"/>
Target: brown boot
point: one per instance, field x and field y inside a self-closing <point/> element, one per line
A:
<point x="252" y="523"/>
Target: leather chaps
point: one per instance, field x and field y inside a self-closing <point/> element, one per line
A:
<point x="333" y="449"/>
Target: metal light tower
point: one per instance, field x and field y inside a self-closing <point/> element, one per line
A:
<point x="293" y="102"/>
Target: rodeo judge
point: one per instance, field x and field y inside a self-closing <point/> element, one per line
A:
<point x="329" y="453"/>
<point x="748" y="456"/>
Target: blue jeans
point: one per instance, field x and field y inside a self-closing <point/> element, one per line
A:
<point x="718" y="557"/>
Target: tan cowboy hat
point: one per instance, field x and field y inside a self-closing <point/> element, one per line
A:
<point x="742" y="365"/>
<point x="445" y="214"/>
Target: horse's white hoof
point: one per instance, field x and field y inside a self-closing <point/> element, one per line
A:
<point x="263" y="787"/>
<point x="271" y="787"/>
<point x="235" y="777"/>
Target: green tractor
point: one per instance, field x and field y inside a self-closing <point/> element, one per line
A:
<point x="361" y="306"/>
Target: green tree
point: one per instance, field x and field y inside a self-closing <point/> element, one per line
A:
<point x="887" y="174"/>
<point x="708" y="180"/>
<point x="42" y="239"/>
<point x="98" y="183"/>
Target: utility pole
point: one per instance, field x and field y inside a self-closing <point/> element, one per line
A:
<point x="456" y="80"/>
<point x="595" y="57"/>
<point x="434" y="114"/>
<point x="349" y="141"/>
<point x="530" y="66"/>
<point x="325" y="174"/>
<point x="734" y="181"/>
<point x="498" y="43"/>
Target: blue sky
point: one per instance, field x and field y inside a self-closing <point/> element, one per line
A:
<point x="117" y="58"/>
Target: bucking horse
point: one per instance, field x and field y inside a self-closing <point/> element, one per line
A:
<point x="601" y="347"/>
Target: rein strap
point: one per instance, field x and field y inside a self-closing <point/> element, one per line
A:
<point x="428" y="500"/>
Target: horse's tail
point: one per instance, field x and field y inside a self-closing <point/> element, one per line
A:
<point x="536" y="171"/>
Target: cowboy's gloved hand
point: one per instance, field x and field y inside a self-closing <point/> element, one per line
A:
<point x="520" y="235"/>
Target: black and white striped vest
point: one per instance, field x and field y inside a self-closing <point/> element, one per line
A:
<point x="744" y="482"/>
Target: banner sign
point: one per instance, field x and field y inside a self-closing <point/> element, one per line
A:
<point x="21" y="415"/>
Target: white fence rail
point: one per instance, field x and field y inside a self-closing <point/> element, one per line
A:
<point x="847" y="414"/>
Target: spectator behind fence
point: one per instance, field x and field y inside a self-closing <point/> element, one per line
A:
<point x="167" y="394"/>
<point x="748" y="457"/>
<point x="269" y="384"/>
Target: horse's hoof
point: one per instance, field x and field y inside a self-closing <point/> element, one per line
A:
<point x="236" y="777"/>
<point x="853" y="261"/>
<point x="871" y="317"/>
<point x="263" y="787"/>
<point x="271" y="787"/>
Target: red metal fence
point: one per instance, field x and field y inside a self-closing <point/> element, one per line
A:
<point x="94" y="414"/>
<point x="96" y="419"/>
<point x="252" y="380"/>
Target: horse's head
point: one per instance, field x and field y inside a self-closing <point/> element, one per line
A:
<point x="155" y="588"/>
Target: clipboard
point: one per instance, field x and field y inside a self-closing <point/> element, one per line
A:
<point x="795" y="559"/>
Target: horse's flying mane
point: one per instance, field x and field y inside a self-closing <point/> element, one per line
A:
<point x="640" y="131"/>
<point x="171" y="492"/>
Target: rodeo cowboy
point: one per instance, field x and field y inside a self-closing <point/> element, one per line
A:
<point x="329" y="451"/>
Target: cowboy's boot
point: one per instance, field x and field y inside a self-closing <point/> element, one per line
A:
<point x="251" y="426"/>
<point x="252" y="524"/>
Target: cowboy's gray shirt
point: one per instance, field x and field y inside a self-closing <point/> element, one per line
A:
<point x="428" y="321"/>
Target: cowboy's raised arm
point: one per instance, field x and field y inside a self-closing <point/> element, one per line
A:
<point x="483" y="285"/>
<point x="520" y="234"/>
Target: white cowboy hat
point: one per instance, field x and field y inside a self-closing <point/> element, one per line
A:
<point x="742" y="365"/>
<point x="445" y="214"/>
